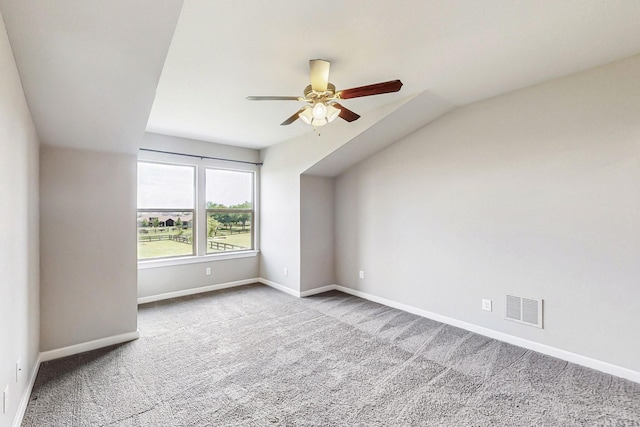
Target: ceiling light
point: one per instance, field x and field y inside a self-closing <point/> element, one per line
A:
<point x="306" y="115"/>
<point x="319" y="114"/>
<point x="319" y="111"/>
<point x="332" y="113"/>
<point x="319" y="122"/>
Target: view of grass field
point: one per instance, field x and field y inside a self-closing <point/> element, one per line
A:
<point x="167" y="213"/>
<point x="241" y="238"/>
<point x="163" y="249"/>
<point x="163" y="242"/>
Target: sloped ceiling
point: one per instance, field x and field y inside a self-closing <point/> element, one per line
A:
<point x="407" y="118"/>
<point x="91" y="68"/>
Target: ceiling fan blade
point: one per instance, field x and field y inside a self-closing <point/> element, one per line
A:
<point x="374" y="89"/>
<point x="292" y="118"/>
<point x="319" y="73"/>
<point x="346" y="114"/>
<point x="273" y="98"/>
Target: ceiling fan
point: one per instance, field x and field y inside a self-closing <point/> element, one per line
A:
<point x="322" y="98"/>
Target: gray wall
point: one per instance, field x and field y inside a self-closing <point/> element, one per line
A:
<point x="534" y="193"/>
<point x="176" y="278"/>
<point x="88" y="246"/>
<point x="280" y="216"/>
<point x="280" y="192"/>
<point x="167" y="279"/>
<point x="317" y="257"/>
<point x="19" y="272"/>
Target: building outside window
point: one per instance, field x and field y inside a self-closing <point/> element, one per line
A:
<point x="166" y="210"/>
<point x="173" y="222"/>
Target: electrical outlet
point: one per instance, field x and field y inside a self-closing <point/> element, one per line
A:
<point x="361" y="274"/>
<point x="207" y="271"/>
<point x="286" y="271"/>
<point x="5" y="400"/>
<point x="486" y="304"/>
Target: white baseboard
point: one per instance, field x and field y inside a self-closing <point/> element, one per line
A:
<point x="26" y="395"/>
<point x="578" y="359"/>
<point x="501" y="336"/>
<point x="202" y="289"/>
<point x="294" y="292"/>
<point x="45" y="356"/>
<point x="58" y="353"/>
<point x="193" y="291"/>
<point x="279" y="287"/>
<point x="319" y="290"/>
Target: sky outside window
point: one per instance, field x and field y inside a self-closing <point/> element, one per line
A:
<point x="229" y="188"/>
<point x="162" y="186"/>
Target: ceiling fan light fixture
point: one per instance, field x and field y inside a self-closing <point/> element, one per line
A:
<point x="319" y="122"/>
<point x="306" y="115"/>
<point x="319" y="111"/>
<point x="332" y="113"/>
<point x="319" y="114"/>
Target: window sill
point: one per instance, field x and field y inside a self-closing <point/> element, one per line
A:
<point x="169" y="262"/>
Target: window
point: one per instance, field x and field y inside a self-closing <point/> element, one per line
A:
<point x="194" y="210"/>
<point x="166" y="210"/>
<point x="229" y="210"/>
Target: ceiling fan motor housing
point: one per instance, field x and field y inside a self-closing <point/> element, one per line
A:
<point x="311" y="94"/>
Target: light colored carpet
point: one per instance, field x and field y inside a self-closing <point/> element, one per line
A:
<point x="253" y="356"/>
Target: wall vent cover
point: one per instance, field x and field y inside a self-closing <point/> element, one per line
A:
<point x="524" y="310"/>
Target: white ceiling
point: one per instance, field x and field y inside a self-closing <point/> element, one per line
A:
<point x="459" y="50"/>
<point x="90" y="67"/>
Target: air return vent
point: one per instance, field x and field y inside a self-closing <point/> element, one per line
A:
<point x="524" y="310"/>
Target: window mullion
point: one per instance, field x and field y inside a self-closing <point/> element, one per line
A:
<point x="201" y="214"/>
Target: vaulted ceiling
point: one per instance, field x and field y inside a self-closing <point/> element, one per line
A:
<point x="97" y="74"/>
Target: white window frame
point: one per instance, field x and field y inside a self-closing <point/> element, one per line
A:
<point x="200" y="214"/>
<point x="252" y="211"/>
<point x="193" y="211"/>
